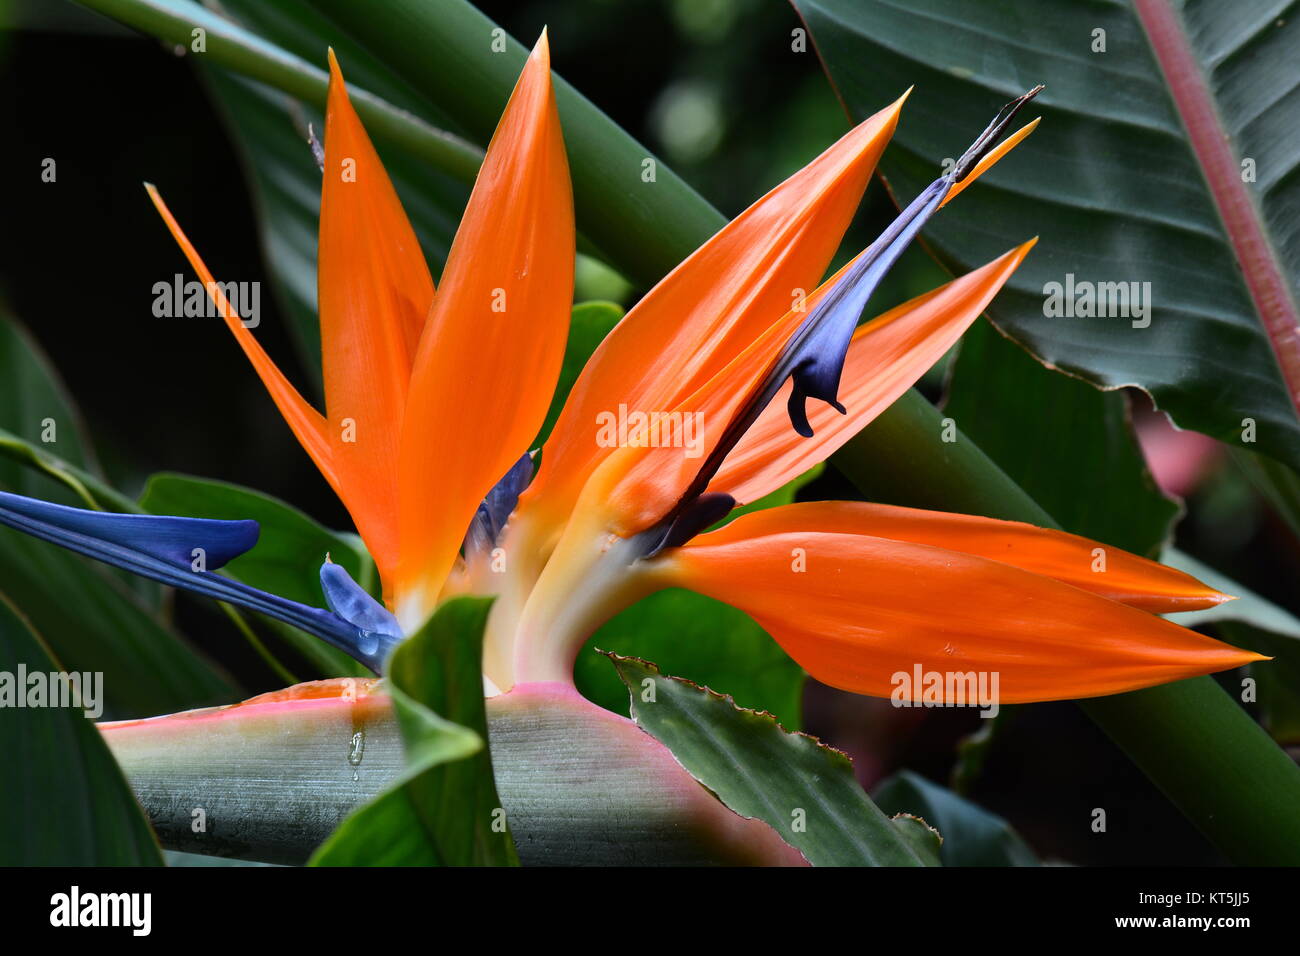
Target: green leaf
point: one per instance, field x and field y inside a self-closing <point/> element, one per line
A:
<point x="444" y="811"/>
<point x="1067" y="444"/>
<point x="1279" y="485"/>
<point x="1277" y="681"/>
<point x="971" y="835"/>
<point x="94" y="618"/>
<point x="88" y="490"/>
<point x="1248" y="606"/>
<point x="287" y="558"/>
<point x="38" y="411"/>
<point x="924" y="839"/>
<point x="1121" y="181"/>
<point x="803" y="790"/>
<point x="64" y="802"/>
<point x="291" y="548"/>
<point x="705" y="641"/>
<point x="1257" y="624"/>
<point x="589" y="323"/>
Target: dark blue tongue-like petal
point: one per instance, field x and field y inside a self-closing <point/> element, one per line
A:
<point x="170" y="539"/>
<point x="496" y="508"/>
<point x="184" y="553"/>
<point x="813" y="358"/>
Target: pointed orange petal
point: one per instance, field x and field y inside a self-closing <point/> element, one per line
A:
<point x="1105" y="571"/>
<point x="491" y="350"/>
<point x="985" y="164"/>
<point x="857" y="611"/>
<point x="375" y="292"/>
<point x="307" y="424"/>
<point x="887" y="356"/>
<point x="713" y="305"/>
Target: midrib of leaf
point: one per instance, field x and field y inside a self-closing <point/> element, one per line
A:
<point x="1211" y="144"/>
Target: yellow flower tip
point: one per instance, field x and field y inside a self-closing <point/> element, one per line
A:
<point x="156" y="197"/>
<point x="542" y="50"/>
<point x="987" y="163"/>
<point x="337" y="86"/>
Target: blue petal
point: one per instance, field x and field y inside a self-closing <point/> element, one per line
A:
<point x="166" y="538"/>
<point x="495" y="510"/>
<point x="354" y="604"/>
<point x="814" y="356"/>
<point x="163" y="548"/>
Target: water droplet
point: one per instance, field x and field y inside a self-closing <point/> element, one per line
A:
<point x="356" y="749"/>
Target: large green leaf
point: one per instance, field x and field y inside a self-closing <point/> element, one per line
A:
<point x="444" y="811"/>
<point x="1067" y="444"/>
<point x="1130" y="177"/>
<point x="971" y="835"/>
<point x="64" y="801"/>
<point x="1258" y="624"/>
<point x="291" y="548"/>
<point x="94" y="618"/>
<point x="589" y="323"/>
<point x="803" y="790"/>
<point x="36" y="408"/>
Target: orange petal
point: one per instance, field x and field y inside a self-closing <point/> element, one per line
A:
<point x="886" y="357"/>
<point x="1105" y="571"/>
<point x="493" y="344"/>
<point x="985" y="164"/>
<point x="374" y="291"/>
<point x="712" y="306"/>
<point x="307" y="424"/>
<point x="857" y="611"/>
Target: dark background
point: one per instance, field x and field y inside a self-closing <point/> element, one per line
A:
<point x="710" y="85"/>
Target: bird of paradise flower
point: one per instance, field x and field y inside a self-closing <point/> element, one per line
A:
<point x="432" y="399"/>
